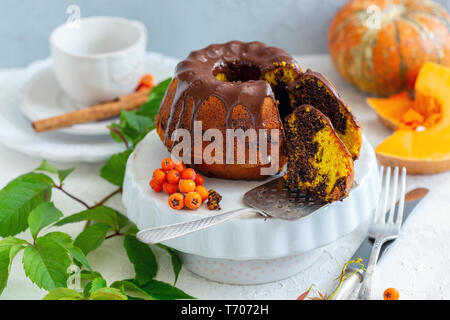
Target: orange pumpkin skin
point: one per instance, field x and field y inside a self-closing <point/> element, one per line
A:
<point x="380" y="45"/>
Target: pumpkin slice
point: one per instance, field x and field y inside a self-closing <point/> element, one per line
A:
<point x="424" y="149"/>
<point x="391" y="110"/>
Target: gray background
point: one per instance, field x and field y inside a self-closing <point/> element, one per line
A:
<point x="175" y="26"/>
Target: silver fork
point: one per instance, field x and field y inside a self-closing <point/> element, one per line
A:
<point x="385" y="226"/>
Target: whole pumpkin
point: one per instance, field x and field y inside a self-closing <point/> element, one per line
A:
<point x="380" y="45"/>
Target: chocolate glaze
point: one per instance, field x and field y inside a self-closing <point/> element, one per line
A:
<point x="197" y="80"/>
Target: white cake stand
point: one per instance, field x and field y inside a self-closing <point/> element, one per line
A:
<point x="249" y="249"/>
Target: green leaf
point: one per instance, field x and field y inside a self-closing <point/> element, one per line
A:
<point x="132" y="289"/>
<point x="164" y="291"/>
<point x="114" y="169"/>
<point x="42" y="216"/>
<point x="175" y="258"/>
<point x="143" y="259"/>
<point x="132" y="230"/>
<point x="58" y="236"/>
<point x="134" y="125"/>
<point x="92" y="237"/>
<point x="123" y="220"/>
<point x="114" y="135"/>
<point x="9" y="248"/>
<point x="99" y="214"/>
<point x="151" y="107"/>
<point x="108" y="294"/>
<point x="140" y="137"/>
<point x="78" y="255"/>
<point x="89" y="275"/>
<point x="96" y="284"/>
<point x="87" y="289"/>
<point x="127" y="131"/>
<point x="63" y="294"/>
<point x="19" y="198"/>
<point x="63" y="174"/>
<point x="39" y="177"/>
<point x="66" y="241"/>
<point x="136" y="122"/>
<point x="46" y="264"/>
<point x="47" y="167"/>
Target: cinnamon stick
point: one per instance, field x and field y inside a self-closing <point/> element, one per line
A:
<point x="97" y="112"/>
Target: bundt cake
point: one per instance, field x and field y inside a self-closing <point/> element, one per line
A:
<point x="240" y="85"/>
<point x="235" y="85"/>
<point x="319" y="164"/>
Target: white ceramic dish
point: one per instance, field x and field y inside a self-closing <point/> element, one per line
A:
<point x="43" y="97"/>
<point x="99" y="59"/>
<point x="249" y="272"/>
<point x="249" y="237"/>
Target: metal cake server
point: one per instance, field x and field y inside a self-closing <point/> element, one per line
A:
<point x="412" y="199"/>
<point x="271" y="200"/>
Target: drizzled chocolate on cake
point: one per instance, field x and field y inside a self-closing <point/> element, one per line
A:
<point x="230" y="86"/>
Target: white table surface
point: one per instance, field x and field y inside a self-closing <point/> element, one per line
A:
<point x="417" y="265"/>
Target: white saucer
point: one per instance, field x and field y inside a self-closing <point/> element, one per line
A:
<point x="43" y="98"/>
<point x="17" y="134"/>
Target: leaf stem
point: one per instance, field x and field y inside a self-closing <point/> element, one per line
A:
<point x="101" y="202"/>
<point x="73" y="197"/>
<point x="88" y="223"/>
<point x="109" y="196"/>
<point x="120" y="135"/>
<point x="117" y="233"/>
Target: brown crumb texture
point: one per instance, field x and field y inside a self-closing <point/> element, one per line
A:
<point x="314" y="89"/>
<point x="214" y="199"/>
<point x="319" y="164"/>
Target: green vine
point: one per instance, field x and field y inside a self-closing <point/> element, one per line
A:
<point x="25" y="204"/>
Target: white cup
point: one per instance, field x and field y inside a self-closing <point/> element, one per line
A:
<point x="100" y="60"/>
